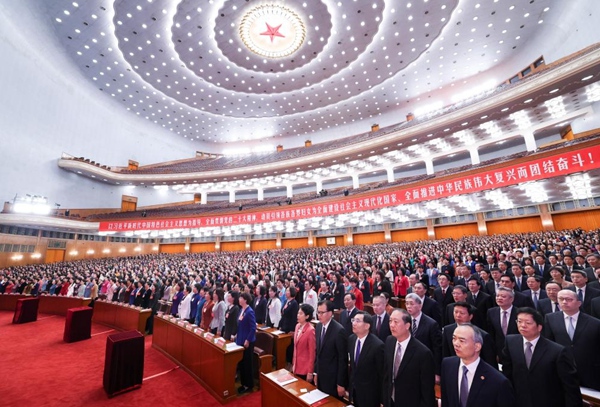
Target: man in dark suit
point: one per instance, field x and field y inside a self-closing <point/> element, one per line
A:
<point x="348" y="313"/>
<point x="542" y="372"/>
<point x="580" y="334"/>
<point x="488" y="386"/>
<point x="494" y="283"/>
<point x="595" y="306"/>
<point x="381" y="319"/>
<point x="520" y="299"/>
<point x="502" y="320"/>
<point x="408" y="367"/>
<point x="550" y="304"/>
<point x="594" y="261"/>
<point x="585" y="293"/>
<point x="458" y="294"/>
<point x="480" y="300"/>
<point x="425" y="329"/>
<point x="463" y="314"/>
<point x="535" y="291"/>
<point x="542" y="268"/>
<point x="366" y="359"/>
<point x="331" y="362"/>
<point x="443" y="294"/>
<point x="595" y="283"/>
<point x="429" y="307"/>
<point x="520" y="279"/>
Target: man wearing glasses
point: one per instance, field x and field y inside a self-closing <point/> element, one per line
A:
<point x="331" y="362"/>
<point x="579" y="333"/>
<point x="366" y="359"/>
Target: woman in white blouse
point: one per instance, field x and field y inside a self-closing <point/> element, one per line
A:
<point x="185" y="304"/>
<point x="273" y="308"/>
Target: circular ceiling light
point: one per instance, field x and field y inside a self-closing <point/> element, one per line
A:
<point x="272" y="31"/>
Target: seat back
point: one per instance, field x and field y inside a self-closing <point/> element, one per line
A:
<point x="264" y="344"/>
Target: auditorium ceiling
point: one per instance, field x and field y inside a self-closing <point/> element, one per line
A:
<point x="235" y="71"/>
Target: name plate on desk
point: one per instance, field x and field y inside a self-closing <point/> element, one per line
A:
<point x="209" y="336"/>
<point x="189" y="327"/>
<point x="282" y="377"/>
<point x="181" y="323"/>
<point x="199" y="331"/>
<point x="278" y="332"/>
<point x="219" y="341"/>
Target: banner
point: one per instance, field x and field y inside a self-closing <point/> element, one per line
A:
<point x="542" y="168"/>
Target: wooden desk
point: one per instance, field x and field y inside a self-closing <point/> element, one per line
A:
<point x="49" y="304"/>
<point x="273" y="394"/>
<point x="121" y="316"/>
<point x="8" y="302"/>
<point x="211" y="365"/>
<point x="282" y="341"/>
<point x="58" y="305"/>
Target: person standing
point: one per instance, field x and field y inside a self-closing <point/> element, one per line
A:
<point x="408" y="367"/>
<point x="246" y="336"/>
<point x="366" y="358"/>
<point x="542" y="372"/>
<point x="303" y="361"/>
<point x="273" y="308"/>
<point x="468" y="381"/>
<point x="331" y="361"/>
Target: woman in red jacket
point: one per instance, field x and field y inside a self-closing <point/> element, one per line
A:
<point x="303" y="362"/>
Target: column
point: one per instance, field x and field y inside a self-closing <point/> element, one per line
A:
<point x="355" y="181"/>
<point x="390" y="174"/>
<point x="290" y="190"/>
<point x="278" y="241"/>
<point x="261" y="194"/>
<point x="319" y="185"/>
<point x="429" y="166"/>
<point x="530" y="143"/>
<point x="349" y="237"/>
<point x="430" y="229"/>
<point x="231" y="196"/>
<point x="481" y="225"/>
<point x="546" y="216"/>
<point x="387" y="233"/>
<point x="203" y="197"/>
<point x="474" y="156"/>
<point x="311" y="239"/>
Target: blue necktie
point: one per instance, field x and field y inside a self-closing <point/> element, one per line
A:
<point x="464" y="388"/>
<point x="357" y="353"/>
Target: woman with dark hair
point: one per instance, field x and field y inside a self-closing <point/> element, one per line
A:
<point x="289" y="313"/>
<point x="231" y="315"/>
<point x="218" y="312"/>
<point x="303" y="361"/>
<point x="246" y="336"/>
<point x="338" y="291"/>
<point x="273" y="308"/>
<point x="260" y="304"/>
<point x="177" y="297"/>
<point x="207" y="311"/>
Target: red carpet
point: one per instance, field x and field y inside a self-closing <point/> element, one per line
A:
<point x="39" y="369"/>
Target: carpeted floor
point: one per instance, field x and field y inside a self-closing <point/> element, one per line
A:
<point x="39" y="369"/>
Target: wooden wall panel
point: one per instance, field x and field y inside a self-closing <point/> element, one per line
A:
<point x="258" y="245"/>
<point x="202" y="247"/>
<point x="233" y="246"/>
<point x="587" y="220"/>
<point x="456" y="231"/>
<point x="322" y="241"/>
<point x="55" y="255"/>
<point x="516" y="225"/>
<point x="172" y="248"/>
<point x="294" y="243"/>
<point x="368" y="238"/>
<point x="409" y="235"/>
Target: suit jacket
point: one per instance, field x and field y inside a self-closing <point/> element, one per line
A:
<point x="490" y="288"/>
<point x="414" y="385"/>
<point x="489" y="388"/>
<point x="448" y="315"/>
<point x="346" y="320"/>
<point x="430" y="335"/>
<point x="495" y="327"/>
<point x="443" y="299"/>
<point x="305" y="346"/>
<point x="541" y="295"/>
<point x="483" y="303"/>
<point x="590" y="294"/>
<point x="231" y="321"/>
<point x="384" y="330"/>
<point x="432" y="309"/>
<point x="595" y="284"/>
<point x="522" y="300"/>
<point x="246" y="326"/>
<point x="331" y="362"/>
<point x="459" y="281"/>
<point x="488" y="351"/>
<point x="365" y="384"/>
<point x="583" y="347"/>
<point x="260" y="309"/>
<point x="289" y="316"/>
<point x="595" y="307"/>
<point x="551" y="379"/>
<point x="545" y="306"/>
<point x="523" y="285"/>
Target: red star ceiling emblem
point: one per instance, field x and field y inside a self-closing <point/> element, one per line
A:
<point x="273" y="32"/>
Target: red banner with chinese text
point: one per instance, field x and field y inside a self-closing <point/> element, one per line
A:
<point x="557" y="165"/>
